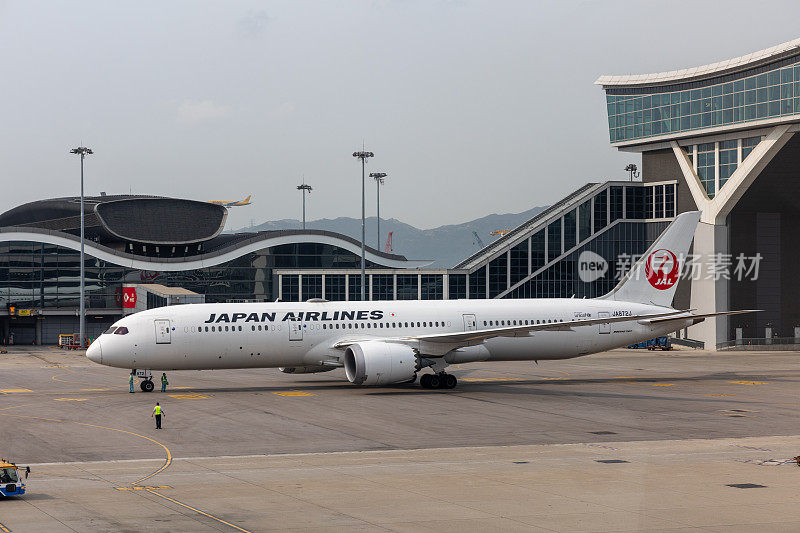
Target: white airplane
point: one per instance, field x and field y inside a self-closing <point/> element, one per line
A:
<point x="386" y="342"/>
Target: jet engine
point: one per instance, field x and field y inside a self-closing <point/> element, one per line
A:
<point x="379" y="363"/>
<point x="306" y="369"/>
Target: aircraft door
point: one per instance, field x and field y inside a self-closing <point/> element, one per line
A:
<point x="604" y="328"/>
<point x="470" y="324"/>
<point x="163" y="333"/>
<point x="295" y="331"/>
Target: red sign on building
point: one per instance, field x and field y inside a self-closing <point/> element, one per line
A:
<point x="129" y="297"/>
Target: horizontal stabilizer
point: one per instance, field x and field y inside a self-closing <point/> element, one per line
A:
<point x="697" y="318"/>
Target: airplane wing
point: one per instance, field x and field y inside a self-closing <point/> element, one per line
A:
<point x="451" y="341"/>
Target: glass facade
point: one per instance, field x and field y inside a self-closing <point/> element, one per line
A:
<point x="498" y="275"/>
<point x="382" y="287"/>
<point x="407" y="287"/>
<point x="335" y="287"/>
<point x="43" y="276"/>
<point x="764" y="92"/>
<point x="457" y="286"/>
<point x="431" y="285"/>
<point x="519" y="261"/>
<point x="561" y="280"/>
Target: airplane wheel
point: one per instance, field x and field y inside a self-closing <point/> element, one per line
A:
<point x="425" y="381"/>
<point x="449" y="381"/>
<point x="147" y="385"/>
<point x="434" y="381"/>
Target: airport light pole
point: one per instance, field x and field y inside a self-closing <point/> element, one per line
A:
<point x="304" y="187"/>
<point x="632" y="168"/>
<point x="378" y="177"/>
<point x="363" y="156"/>
<point x="83" y="151"/>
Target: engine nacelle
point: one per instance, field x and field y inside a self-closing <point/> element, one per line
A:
<point x="379" y="363"/>
<point x="306" y="369"/>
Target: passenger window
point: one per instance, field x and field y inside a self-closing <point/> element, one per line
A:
<point x="121" y="331"/>
<point x="240" y="328"/>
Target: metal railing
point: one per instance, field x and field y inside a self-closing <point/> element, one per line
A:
<point x="763" y="343"/>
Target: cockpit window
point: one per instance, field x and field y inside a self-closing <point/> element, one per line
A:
<point x="109" y="331"/>
<point x="121" y="331"/>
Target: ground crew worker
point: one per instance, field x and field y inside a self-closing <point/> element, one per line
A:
<point x="157" y="412"/>
<point x="164" y="382"/>
<point x="130" y="381"/>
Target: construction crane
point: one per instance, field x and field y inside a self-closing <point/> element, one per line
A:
<point x="500" y="232"/>
<point x="477" y="238"/>
<point x="389" y="248"/>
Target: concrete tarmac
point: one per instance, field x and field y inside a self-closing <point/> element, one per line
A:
<point x="515" y="447"/>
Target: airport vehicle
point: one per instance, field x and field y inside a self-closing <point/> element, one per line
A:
<point x="226" y="203"/>
<point x="10" y="482"/>
<point x="659" y="343"/>
<point x="384" y="342"/>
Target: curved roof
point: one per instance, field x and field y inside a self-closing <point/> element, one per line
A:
<point x="729" y="66"/>
<point x="225" y="252"/>
<point x="146" y="219"/>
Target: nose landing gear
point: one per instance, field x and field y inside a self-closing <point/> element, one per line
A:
<point x="147" y="380"/>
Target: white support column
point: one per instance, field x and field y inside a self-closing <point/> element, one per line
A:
<point x="347" y="287"/>
<point x="445" y="286"/>
<point x="280" y="287"/>
<point x="300" y="287"/>
<point x="711" y="237"/>
<point x="419" y="286"/>
<point x="710" y="295"/>
<point x="323" y="287"/>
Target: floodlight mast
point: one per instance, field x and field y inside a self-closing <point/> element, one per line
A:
<point x="83" y="152"/>
<point x="363" y="156"/>
<point x="378" y="177"/>
<point x="631" y="169"/>
<point x="304" y="187"/>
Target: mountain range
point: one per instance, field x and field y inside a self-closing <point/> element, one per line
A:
<point x="446" y="245"/>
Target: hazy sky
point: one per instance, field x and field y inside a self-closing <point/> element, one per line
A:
<point x="471" y="107"/>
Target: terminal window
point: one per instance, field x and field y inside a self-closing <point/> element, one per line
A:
<point x="635" y="113"/>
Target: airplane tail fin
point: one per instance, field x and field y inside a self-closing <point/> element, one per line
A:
<point x="654" y="277"/>
<point x="247" y="200"/>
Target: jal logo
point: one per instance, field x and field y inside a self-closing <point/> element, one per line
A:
<point x="591" y="266"/>
<point x="662" y="269"/>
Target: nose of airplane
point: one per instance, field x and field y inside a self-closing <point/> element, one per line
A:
<point x="94" y="352"/>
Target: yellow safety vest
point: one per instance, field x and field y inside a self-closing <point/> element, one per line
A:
<point x="157" y="410"/>
<point x="130" y="378"/>
<point x="164" y="379"/>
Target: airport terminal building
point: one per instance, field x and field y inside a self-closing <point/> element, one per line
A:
<point x="726" y="133"/>
<point x="147" y="240"/>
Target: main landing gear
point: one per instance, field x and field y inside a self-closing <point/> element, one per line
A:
<point x="442" y="380"/>
<point x="147" y="385"/>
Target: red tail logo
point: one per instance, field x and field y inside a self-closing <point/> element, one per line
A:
<point x="662" y="269"/>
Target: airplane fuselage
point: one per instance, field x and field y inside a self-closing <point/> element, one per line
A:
<point x="263" y="335"/>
